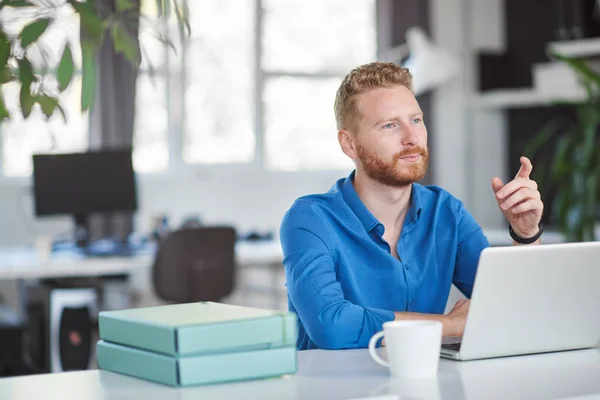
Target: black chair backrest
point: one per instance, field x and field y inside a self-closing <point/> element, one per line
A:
<point x="195" y="264"/>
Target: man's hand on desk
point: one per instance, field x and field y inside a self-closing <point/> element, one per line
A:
<point x="453" y="322"/>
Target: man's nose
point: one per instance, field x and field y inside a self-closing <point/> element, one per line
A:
<point x="410" y="136"/>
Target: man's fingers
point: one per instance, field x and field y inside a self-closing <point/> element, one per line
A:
<point x="518" y="197"/>
<point x="515" y="185"/>
<point x="526" y="168"/>
<point x="528" y="205"/>
<point x="497" y="184"/>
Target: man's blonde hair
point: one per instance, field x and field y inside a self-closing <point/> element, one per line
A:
<point x="367" y="77"/>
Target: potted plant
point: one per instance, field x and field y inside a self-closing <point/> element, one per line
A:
<point x="96" y="24"/>
<point x="569" y="151"/>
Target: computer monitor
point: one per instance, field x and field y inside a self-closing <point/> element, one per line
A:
<point x="80" y="184"/>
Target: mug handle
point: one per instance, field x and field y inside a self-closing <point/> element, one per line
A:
<point x="372" y="343"/>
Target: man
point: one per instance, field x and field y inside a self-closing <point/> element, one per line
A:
<point x="378" y="246"/>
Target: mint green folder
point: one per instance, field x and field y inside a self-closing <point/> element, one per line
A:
<point x="199" y="369"/>
<point x="198" y="328"/>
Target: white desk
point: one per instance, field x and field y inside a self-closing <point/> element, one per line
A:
<point x="346" y="374"/>
<point x="23" y="263"/>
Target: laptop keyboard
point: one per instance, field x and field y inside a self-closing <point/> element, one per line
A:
<point x="452" y="346"/>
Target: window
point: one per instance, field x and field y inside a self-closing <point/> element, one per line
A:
<point x="219" y="83"/>
<point x="151" y="123"/>
<point x="283" y="88"/>
<point x="307" y="48"/>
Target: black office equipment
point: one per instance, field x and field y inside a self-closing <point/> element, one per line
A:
<point x="74" y="338"/>
<point x="11" y="343"/>
<point x="61" y="326"/>
<point x="80" y="184"/>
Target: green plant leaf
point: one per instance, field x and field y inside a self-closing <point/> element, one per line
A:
<point x="573" y="221"/>
<point x="159" y="7"/>
<point x="6" y="76"/>
<point x="151" y="68"/>
<point x="125" y="5"/>
<point x="88" y="74"/>
<point x="587" y="115"/>
<point x="561" y="161"/>
<point x="92" y="26"/>
<point x="62" y="112"/>
<point x="27" y="101"/>
<point x="4" y="50"/>
<point x="541" y="139"/>
<point x="4" y="114"/>
<point x="125" y="43"/>
<point x="26" y="77"/>
<point x="183" y="22"/>
<point x="591" y="203"/>
<point x="15" y="3"/>
<point x="566" y="103"/>
<point x="33" y="31"/>
<point x="47" y="103"/>
<point x="580" y="66"/>
<point x="589" y="143"/>
<point x="65" y="70"/>
<point x="164" y="8"/>
<point x="26" y="71"/>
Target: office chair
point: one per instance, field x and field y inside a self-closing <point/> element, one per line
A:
<point x="195" y="264"/>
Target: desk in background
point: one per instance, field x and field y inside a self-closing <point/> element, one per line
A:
<point x="23" y="263"/>
<point x="344" y="374"/>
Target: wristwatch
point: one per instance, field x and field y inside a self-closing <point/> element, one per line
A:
<point x="521" y="240"/>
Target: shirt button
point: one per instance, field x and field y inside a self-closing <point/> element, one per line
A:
<point x="379" y="228"/>
<point x="406" y="266"/>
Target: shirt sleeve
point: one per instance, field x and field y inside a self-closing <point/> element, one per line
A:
<point x="331" y="321"/>
<point x="471" y="242"/>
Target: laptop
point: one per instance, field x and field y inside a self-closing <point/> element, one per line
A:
<point x="532" y="299"/>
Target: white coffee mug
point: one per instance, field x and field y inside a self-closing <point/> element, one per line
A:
<point x="412" y="347"/>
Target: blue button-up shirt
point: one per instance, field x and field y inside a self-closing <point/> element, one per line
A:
<point x="342" y="280"/>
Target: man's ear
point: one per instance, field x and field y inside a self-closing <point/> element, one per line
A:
<point x="346" y="139"/>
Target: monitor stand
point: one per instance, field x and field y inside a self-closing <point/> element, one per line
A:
<point x="82" y="233"/>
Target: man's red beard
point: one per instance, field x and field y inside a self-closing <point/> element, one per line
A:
<point x="396" y="172"/>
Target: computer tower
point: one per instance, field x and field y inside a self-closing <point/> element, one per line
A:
<point x="11" y="343"/>
<point x="60" y="329"/>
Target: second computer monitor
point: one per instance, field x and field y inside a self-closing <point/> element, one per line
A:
<point x="81" y="184"/>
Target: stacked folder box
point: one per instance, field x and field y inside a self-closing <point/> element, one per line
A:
<point x="197" y="343"/>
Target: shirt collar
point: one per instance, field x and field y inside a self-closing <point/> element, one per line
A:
<point x="367" y="219"/>
<point x="415" y="202"/>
